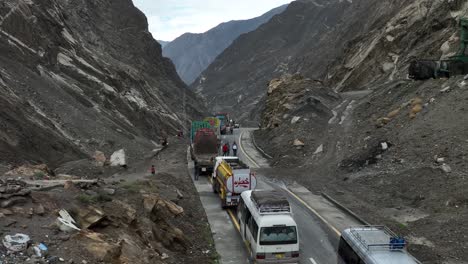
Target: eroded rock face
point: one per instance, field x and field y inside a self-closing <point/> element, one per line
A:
<point x="81" y="76"/>
<point x="345" y="44"/>
<point x="192" y="53"/>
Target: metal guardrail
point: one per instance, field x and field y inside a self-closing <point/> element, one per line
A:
<point x="259" y="148"/>
<point x="343" y="208"/>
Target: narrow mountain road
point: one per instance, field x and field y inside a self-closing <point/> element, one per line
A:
<point x="319" y="222"/>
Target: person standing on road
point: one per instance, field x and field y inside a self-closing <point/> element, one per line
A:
<point x="153" y="170"/>
<point x="225" y="149"/>
<point x="234" y="149"/>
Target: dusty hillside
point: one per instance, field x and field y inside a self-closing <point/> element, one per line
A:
<point x="133" y="217"/>
<point x="193" y="53"/>
<point x="392" y="149"/>
<point x="327" y="41"/>
<point x="80" y="76"/>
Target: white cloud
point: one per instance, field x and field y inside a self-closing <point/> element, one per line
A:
<point x="169" y="19"/>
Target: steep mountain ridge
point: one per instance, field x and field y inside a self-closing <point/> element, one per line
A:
<point x="391" y="149"/>
<point x="163" y="43"/>
<point x="192" y="53"/>
<point x="78" y="76"/>
<point x="320" y="40"/>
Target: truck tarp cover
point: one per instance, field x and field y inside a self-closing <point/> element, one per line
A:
<point x="206" y="142"/>
<point x="269" y="199"/>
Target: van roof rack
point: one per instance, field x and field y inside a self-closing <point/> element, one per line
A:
<point x="375" y="237"/>
<point x="269" y="202"/>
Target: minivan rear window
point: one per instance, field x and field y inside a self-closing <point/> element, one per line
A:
<point x="278" y="235"/>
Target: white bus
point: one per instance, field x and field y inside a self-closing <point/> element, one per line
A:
<point x="267" y="227"/>
<point x="372" y="245"/>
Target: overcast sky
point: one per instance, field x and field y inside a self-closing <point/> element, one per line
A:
<point x="169" y="19"/>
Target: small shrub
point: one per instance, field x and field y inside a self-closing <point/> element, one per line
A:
<point x="87" y="199"/>
<point x="40" y="175"/>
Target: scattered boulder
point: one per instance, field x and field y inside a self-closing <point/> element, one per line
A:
<point x="298" y="143"/>
<point x="39" y="210"/>
<point x="445" y="90"/>
<point x="446" y="168"/>
<point x="124" y="211"/>
<point x="99" y="158"/>
<point x="30" y="171"/>
<point x="173" y="208"/>
<point x="109" y="191"/>
<point x="179" y="194"/>
<point x="381" y="122"/>
<point x="295" y="120"/>
<point x="151" y="201"/>
<point x="416" y="107"/>
<point x="89" y="216"/>
<point x="273" y="85"/>
<point x="118" y="158"/>
<point x="13" y="201"/>
<point x="319" y="150"/>
<point x="393" y="113"/>
<point x="99" y="248"/>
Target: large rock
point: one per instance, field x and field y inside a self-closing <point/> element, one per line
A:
<point x="118" y="158"/>
<point x="152" y="201"/>
<point x="98" y="246"/>
<point x="13" y="201"/>
<point x="29" y="171"/>
<point x="89" y="216"/>
<point x="99" y="158"/>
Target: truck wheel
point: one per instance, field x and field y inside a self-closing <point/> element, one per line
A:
<point x="196" y="172"/>
<point x="215" y="187"/>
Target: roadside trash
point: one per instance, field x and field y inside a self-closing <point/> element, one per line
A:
<point x="65" y="222"/>
<point x="40" y="250"/>
<point x="16" y="243"/>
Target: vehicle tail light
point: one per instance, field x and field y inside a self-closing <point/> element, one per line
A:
<point x="260" y="256"/>
<point x="295" y="254"/>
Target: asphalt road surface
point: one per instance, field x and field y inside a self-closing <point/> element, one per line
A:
<point x="319" y="222"/>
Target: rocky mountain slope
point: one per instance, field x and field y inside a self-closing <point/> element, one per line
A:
<point x="391" y="149"/>
<point x="192" y="53"/>
<point x="326" y="40"/>
<point x="79" y="76"/>
<point x="163" y="43"/>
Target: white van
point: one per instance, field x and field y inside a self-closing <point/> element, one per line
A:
<point x="267" y="227"/>
<point x="372" y="245"/>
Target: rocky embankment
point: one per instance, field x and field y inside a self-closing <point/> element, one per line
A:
<point x="391" y="149"/>
<point x="131" y="217"/>
<point x="78" y="76"/>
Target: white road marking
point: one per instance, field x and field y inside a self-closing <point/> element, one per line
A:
<point x="245" y="153"/>
<point x="313" y="261"/>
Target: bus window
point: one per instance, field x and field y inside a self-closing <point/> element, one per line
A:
<point x="278" y="235"/>
<point x="347" y="254"/>
<point x="253" y="227"/>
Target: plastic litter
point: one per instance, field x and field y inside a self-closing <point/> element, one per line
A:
<point x="16" y="243"/>
<point x="66" y="223"/>
<point x="40" y="250"/>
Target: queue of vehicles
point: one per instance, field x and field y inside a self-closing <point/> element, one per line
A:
<point x="266" y="219"/>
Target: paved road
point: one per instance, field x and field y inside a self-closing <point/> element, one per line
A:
<point x="319" y="222"/>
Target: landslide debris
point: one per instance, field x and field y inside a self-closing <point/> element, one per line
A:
<point x="129" y="218"/>
<point x="407" y="172"/>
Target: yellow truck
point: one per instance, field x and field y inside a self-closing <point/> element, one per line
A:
<point x="230" y="178"/>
